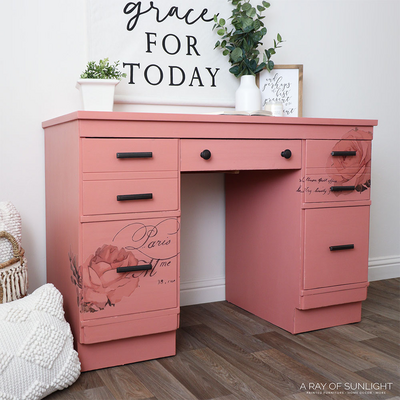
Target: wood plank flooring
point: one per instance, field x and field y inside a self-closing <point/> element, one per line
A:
<point x="225" y="353"/>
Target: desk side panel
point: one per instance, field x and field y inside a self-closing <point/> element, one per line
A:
<point x="263" y="243"/>
<point x="62" y="213"/>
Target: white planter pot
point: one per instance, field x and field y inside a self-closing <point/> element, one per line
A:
<point x="248" y="94"/>
<point x="97" y="94"/>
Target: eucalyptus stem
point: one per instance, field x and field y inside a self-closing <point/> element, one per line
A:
<point x="241" y="40"/>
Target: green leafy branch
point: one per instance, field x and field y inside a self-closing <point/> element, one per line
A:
<point x="102" y="70"/>
<point x="240" y="43"/>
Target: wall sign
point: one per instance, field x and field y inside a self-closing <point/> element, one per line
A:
<point x="284" y="84"/>
<point x="165" y="47"/>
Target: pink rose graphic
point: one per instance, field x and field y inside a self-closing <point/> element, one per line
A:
<point x="101" y="284"/>
<point x="352" y="170"/>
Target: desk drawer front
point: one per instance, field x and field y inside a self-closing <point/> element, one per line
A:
<point x="114" y="328"/>
<point x="321" y="187"/>
<point x="121" y="155"/>
<point x="336" y="246"/>
<point x="350" y="154"/>
<point x="129" y="196"/>
<point x="325" y="297"/>
<point x="228" y="155"/>
<point x="146" y="251"/>
<point x="337" y="170"/>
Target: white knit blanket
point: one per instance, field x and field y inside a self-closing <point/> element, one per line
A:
<point x="36" y="347"/>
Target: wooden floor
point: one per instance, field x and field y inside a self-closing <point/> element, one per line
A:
<point x="226" y="353"/>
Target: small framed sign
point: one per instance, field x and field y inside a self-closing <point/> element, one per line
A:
<point x="284" y="84"/>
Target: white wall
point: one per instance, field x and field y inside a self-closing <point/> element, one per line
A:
<point x="350" y="50"/>
<point x="43" y="51"/>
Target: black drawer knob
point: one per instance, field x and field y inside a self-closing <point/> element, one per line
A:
<point x="206" y="154"/>
<point x="286" y="153"/>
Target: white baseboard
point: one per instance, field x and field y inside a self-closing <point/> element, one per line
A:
<point x="209" y="290"/>
<point x="383" y="268"/>
<point x="204" y="291"/>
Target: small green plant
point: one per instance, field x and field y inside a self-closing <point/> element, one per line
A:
<point x="102" y="70"/>
<point x="241" y="42"/>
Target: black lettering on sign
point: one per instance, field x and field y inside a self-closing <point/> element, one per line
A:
<point x="191" y="43"/>
<point x="196" y="75"/>
<point x="177" y="44"/>
<point x="131" y="65"/>
<point x="171" y="46"/>
<point x="154" y="75"/>
<point x="135" y="9"/>
<point x="172" y="82"/>
<point x="146" y="75"/>
<point x="212" y="75"/>
<point x="149" y="42"/>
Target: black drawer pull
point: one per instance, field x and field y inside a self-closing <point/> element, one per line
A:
<point x="343" y="153"/>
<point x="142" y="154"/>
<point x="342" y="247"/>
<point x="140" y="196"/>
<point x="286" y="153"/>
<point x="342" y="188"/>
<point x="206" y="154"/>
<point x="135" y="268"/>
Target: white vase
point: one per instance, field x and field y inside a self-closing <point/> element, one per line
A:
<point x="248" y="94"/>
<point x="97" y="94"/>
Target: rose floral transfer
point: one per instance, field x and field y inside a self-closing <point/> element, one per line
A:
<point x="352" y="170"/>
<point x="100" y="285"/>
<point x="141" y="243"/>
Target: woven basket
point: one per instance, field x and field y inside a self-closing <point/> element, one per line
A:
<point x="13" y="273"/>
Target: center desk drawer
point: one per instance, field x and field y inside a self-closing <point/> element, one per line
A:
<point x="122" y="155"/>
<point x="231" y="155"/>
<point x="129" y="196"/>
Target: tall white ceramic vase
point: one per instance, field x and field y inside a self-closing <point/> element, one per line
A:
<point x="248" y="94"/>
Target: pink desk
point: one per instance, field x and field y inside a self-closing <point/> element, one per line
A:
<point x="297" y="222"/>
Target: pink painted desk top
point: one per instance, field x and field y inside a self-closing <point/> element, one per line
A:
<point x="181" y="125"/>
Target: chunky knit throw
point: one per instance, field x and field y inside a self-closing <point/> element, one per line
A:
<point x="36" y="346"/>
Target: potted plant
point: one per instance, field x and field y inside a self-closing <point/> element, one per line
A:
<point x="240" y="43"/>
<point x="97" y="85"/>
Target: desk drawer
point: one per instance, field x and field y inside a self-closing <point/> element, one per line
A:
<point x="337" y="170"/>
<point x="122" y="155"/>
<point x="121" y="327"/>
<point x="319" y="154"/>
<point x="148" y="247"/>
<point x="323" y="187"/>
<point x="230" y="155"/>
<point x="336" y="246"/>
<point x="129" y="196"/>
